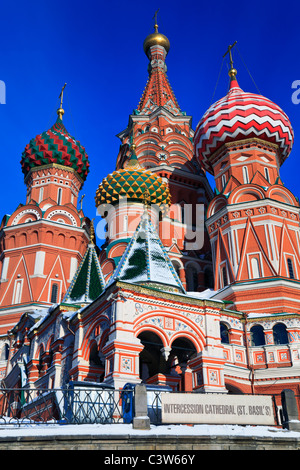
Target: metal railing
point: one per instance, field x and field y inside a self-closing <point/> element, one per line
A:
<point x="83" y="405"/>
<point x="63" y="406"/>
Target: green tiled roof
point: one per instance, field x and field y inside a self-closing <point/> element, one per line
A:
<point x="88" y="282"/>
<point x="146" y="262"/>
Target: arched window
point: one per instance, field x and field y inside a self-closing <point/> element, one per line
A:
<point x="290" y="268"/>
<point x="224" y="333"/>
<point x="94" y="358"/>
<point x="54" y="292"/>
<point x="280" y="334"/>
<point x="257" y="336"/>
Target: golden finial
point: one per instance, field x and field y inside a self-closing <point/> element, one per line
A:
<point x="232" y="72"/>
<point x="155" y="21"/>
<point x="146" y="198"/>
<point x="132" y="162"/>
<point x="156" y="38"/>
<point x="60" y="110"/>
<point x="92" y="232"/>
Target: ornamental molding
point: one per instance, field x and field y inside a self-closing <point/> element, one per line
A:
<point x="269" y="324"/>
<point x="24" y="212"/>
<point x="62" y="212"/>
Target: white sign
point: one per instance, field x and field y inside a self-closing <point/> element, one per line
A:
<point x="216" y="408"/>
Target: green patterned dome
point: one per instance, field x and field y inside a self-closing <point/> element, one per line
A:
<point x="132" y="183"/>
<point x="55" y="146"/>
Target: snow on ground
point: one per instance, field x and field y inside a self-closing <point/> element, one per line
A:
<point x="123" y="430"/>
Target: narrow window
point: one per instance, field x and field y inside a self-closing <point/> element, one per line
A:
<point x="223" y="179"/>
<point x="224" y="332"/>
<point x="41" y="195"/>
<point x="245" y="175"/>
<point x="54" y="292"/>
<point x="290" y="268"/>
<point x="59" y="194"/>
<point x="18" y="291"/>
<point x="4" y="268"/>
<point x="267" y="175"/>
<point x="255" y="268"/>
<point x="224" y="275"/>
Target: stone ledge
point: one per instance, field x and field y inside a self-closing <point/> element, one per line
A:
<point x="148" y="442"/>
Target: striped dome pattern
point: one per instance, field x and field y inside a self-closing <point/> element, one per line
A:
<point x="55" y="146"/>
<point x="240" y="115"/>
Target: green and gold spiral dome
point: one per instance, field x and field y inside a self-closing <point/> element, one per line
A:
<point x="133" y="182"/>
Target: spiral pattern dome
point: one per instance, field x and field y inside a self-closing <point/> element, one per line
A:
<point x="132" y="182"/>
<point x="241" y="115"/>
<point x="55" y="146"/>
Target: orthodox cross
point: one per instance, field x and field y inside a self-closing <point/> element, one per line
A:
<point x="155" y="21"/>
<point x="230" y="55"/>
<point x="60" y="110"/>
<point x="61" y="96"/>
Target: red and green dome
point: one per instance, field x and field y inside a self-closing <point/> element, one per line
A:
<point x="55" y="146"/>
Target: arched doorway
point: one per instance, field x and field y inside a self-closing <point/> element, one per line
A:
<point x="151" y="359"/>
<point x="183" y="350"/>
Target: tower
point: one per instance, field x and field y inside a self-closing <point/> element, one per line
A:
<point x="160" y="136"/>
<point x="42" y="242"/>
<point x="253" y="221"/>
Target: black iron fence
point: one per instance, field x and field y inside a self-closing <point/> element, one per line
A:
<point x="84" y="404"/>
<point x="63" y="406"/>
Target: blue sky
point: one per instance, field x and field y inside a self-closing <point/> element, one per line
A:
<point x="97" y="48"/>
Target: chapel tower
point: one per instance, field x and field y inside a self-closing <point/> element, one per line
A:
<point x="43" y="241"/>
<point x="253" y="220"/>
<point x="159" y="139"/>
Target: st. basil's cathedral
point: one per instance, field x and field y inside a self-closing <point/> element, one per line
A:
<point x="149" y="305"/>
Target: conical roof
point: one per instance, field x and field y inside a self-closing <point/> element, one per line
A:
<point x="88" y="282"/>
<point x="158" y="91"/>
<point x="146" y="262"/>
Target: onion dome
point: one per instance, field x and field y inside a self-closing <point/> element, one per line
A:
<point x="156" y="39"/>
<point x="55" y="146"/>
<point x="238" y="116"/>
<point x="132" y="182"/>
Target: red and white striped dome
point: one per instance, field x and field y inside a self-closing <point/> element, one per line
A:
<point x="240" y="115"/>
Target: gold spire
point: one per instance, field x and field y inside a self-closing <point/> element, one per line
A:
<point x="232" y="72"/>
<point x="92" y="232"/>
<point x="146" y="199"/>
<point x="132" y="163"/>
<point x="60" y="110"/>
